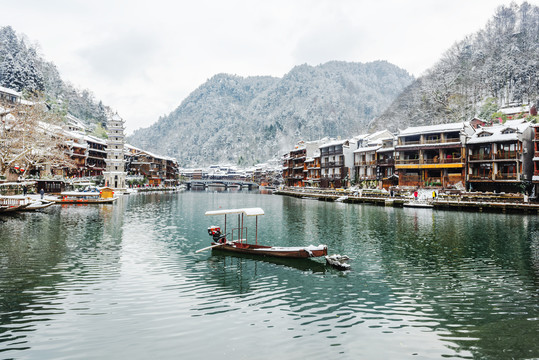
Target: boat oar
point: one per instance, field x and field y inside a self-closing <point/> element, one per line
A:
<point x="207" y="248"/>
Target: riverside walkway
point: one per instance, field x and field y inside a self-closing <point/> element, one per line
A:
<point x="463" y="201"/>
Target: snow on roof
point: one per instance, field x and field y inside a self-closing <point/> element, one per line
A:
<point x="359" y="137"/>
<point x="432" y="129"/>
<point x="10" y="91"/>
<point x="333" y="143"/>
<point x="94" y="139"/>
<point x="515" y="109"/>
<point x="131" y="147"/>
<point x="379" y="133"/>
<point x="116" y="117"/>
<point x="368" y="148"/>
<point x="499" y="133"/>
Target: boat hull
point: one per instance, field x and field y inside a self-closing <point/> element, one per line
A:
<point x="418" y="205"/>
<point x="85" y="201"/>
<point x="283" y="252"/>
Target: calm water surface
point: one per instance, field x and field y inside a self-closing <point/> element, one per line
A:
<point x="123" y="281"/>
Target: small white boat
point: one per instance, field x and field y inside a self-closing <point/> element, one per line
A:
<point x="37" y="205"/>
<point x="418" y="204"/>
<point x="339" y="262"/>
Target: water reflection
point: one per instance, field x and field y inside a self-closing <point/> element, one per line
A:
<point x="125" y="279"/>
<point x="44" y="255"/>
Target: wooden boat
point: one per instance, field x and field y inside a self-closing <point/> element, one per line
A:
<point x="13" y="203"/>
<point x="418" y="204"/>
<point x="37" y="205"/>
<point x="237" y="243"/>
<point x="76" y="197"/>
<point x="11" y="208"/>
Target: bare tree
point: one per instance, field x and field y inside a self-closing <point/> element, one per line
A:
<point x="30" y="138"/>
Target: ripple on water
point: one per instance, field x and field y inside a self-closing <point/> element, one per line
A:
<point x="126" y="280"/>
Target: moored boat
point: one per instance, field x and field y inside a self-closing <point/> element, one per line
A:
<point x="418" y="204"/>
<point x="13" y="203"/>
<point x="104" y="196"/>
<point x="37" y="205"/>
<point x="237" y="243"/>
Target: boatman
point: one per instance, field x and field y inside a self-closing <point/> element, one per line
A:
<point x="218" y="237"/>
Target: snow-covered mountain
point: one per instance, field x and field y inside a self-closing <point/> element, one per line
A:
<point x="246" y="120"/>
<point x="23" y="69"/>
<point x="495" y="67"/>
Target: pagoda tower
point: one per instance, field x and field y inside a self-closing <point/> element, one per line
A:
<point x="115" y="173"/>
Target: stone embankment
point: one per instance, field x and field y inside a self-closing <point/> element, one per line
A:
<point x="451" y="200"/>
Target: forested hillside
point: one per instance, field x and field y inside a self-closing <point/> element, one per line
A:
<point x="496" y="67"/>
<point x="247" y="120"/>
<point x="23" y="69"/>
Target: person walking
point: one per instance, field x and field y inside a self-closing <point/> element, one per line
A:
<point x="42" y="192"/>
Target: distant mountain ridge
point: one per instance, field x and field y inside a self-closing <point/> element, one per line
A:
<point x="247" y="120"/>
<point x="495" y="67"/>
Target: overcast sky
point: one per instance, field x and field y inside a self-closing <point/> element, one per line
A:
<point x="143" y="57"/>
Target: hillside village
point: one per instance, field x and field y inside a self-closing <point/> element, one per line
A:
<point x="477" y="155"/>
<point x="87" y="153"/>
<point x="501" y="155"/>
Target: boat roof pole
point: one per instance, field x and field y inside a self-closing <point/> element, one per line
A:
<point x="256" y="230"/>
<point x="225" y="226"/>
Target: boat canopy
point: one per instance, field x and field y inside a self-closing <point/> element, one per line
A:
<point x="246" y="212"/>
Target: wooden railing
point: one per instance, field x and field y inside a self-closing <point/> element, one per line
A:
<point x="506" y="155"/>
<point x="386" y="162"/>
<point x="506" y="176"/>
<point x="429" y="161"/>
<point x="480" y="177"/>
<point x="332" y="164"/>
<point x="480" y="157"/>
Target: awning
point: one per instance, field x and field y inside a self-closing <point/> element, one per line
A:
<point x="246" y="212"/>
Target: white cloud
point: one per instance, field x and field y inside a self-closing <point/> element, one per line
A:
<point x="143" y="58"/>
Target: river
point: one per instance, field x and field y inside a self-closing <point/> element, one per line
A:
<point x="124" y="281"/>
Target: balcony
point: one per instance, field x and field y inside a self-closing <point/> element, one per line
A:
<point x="429" y="161"/>
<point x="386" y="162"/>
<point x="479" y="177"/>
<point x="330" y="164"/>
<point x="404" y="143"/>
<point x="480" y="157"/>
<point x="429" y="142"/>
<point x="506" y="176"/>
<point x="331" y="177"/>
<point x="408" y="162"/>
<point x="502" y="155"/>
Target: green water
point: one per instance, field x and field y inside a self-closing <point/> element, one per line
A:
<point x="124" y="281"/>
